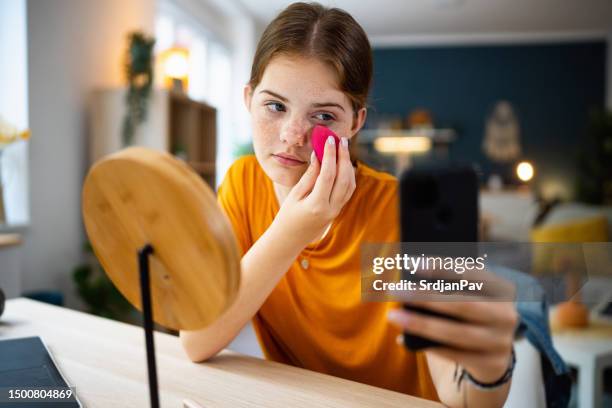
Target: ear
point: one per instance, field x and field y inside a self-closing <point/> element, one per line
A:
<point x="247" y="94"/>
<point x="359" y="121"/>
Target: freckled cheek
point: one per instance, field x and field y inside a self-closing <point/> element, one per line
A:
<point x="341" y="129"/>
<point x="265" y="133"/>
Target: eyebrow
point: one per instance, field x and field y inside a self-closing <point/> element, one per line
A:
<point x="316" y="105"/>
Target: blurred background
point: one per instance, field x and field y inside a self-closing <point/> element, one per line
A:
<point x="520" y="89"/>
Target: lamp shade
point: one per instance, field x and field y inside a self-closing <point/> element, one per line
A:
<point x="175" y="66"/>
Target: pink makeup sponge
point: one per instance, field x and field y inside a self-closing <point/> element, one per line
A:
<point x="319" y="138"/>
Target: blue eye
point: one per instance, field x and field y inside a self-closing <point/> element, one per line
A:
<point x="275" y="107"/>
<point x="326" y="117"/>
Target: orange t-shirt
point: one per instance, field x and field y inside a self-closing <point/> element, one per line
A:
<point x="315" y="318"/>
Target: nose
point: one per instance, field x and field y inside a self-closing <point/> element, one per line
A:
<point x="295" y="132"/>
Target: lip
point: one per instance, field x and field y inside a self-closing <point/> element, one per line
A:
<point x="288" y="159"/>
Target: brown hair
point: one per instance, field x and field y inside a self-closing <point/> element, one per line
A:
<point x="329" y="34"/>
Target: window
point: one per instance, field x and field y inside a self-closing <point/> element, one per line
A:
<point x="210" y="73"/>
<point x="14" y="111"/>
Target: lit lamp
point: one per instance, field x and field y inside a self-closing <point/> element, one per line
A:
<point x="525" y="171"/>
<point x="402" y="144"/>
<point x="402" y="147"/>
<point x="175" y="66"/>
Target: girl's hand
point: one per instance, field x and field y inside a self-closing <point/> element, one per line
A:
<point x="481" y="343"/>
<point x="319" y="196"/>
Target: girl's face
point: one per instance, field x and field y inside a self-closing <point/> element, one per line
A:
<point x="294" y="95"/>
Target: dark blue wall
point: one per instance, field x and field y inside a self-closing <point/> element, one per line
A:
<point x="552" y="88"/>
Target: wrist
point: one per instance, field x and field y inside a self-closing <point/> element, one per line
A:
<point x="491" y="380"/>
<point x="285" y="240"/>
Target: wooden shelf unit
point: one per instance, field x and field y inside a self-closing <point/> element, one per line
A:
<point x="192" y="134"/>
<point x="175" y="123"/>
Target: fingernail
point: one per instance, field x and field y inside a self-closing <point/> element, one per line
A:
<point x="312" y="157"/>
<point x="331" y="140"/>
<point x="393" y="315"/>
<point x="344" y="142"/>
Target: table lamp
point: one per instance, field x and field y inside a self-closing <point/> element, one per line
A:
<point x="162" y="239"/>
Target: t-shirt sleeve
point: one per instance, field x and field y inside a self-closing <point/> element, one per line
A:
<point x="231" y="196"/>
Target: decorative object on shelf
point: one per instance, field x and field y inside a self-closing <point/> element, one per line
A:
<point x="419" y="118"/>
<point x="9" y="134"/>
<point x="502" y="140"/>
<point x="139" y="72"/>
<point x="594" y="181"/>
<point x="436" y="136"/>
<point x="418" y="136"/>
<point x="397" y="141"/>
<point x="175" y="62"/>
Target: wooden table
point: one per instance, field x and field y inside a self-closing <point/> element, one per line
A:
<point x="105" y="361"/>
<point x="590" y="351"/>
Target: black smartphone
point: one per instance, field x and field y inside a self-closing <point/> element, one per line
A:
<point x="437" y="204"/>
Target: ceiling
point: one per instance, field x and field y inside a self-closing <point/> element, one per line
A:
<point x="388" y="21"/>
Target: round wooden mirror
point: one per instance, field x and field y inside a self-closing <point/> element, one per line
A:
<point x="139" y="196"/>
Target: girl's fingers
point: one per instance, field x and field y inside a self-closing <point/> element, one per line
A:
<point x="497" y="363"/>
<point x="460" y="335"/>
<point x="351" y="189"/>
<point x="345" y="176"/>
<point x="306" y="183"/>
<point x="327" y="175"/>
<point x="502" y="314"/>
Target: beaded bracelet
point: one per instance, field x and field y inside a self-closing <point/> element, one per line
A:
<point x="459" y="376"/>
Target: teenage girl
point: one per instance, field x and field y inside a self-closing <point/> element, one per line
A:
<point x="300" y="223"/>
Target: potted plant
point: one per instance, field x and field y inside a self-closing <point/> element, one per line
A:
<point x="98" y="292"/>
<point x="594" y="182"/>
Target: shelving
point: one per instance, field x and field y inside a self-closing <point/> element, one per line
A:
<point x="175" y="123"/>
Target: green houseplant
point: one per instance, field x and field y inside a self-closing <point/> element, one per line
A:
<point x="97" y="291"/>
<point x="139" y="75"/>
<point x="594" y="181"/>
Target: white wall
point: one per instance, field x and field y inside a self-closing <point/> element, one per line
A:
<point x="74" y="46"/>
<point x="245" y="42"/>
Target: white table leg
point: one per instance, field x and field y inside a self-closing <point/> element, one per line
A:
<point x="590" y="384"/>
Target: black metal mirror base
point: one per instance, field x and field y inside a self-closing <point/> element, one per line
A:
<point x="147" y="321"/>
